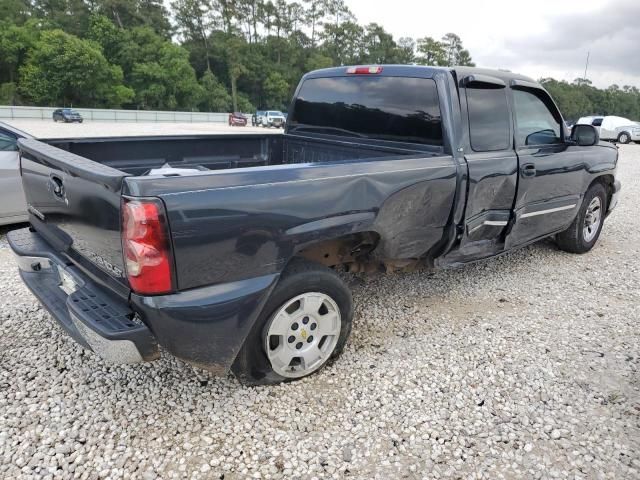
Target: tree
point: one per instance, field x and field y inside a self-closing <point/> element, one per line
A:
<point x="343" y="42"/>
<point x="15" y="43"/>
<point x="72" y="16"/>
<point x="65" y="70"/>
<point x="195" y="21"/>
<point x="378" y="45"/>
<point x="15" y="12"/>
<point x="406" y="50"/>
<point x="455" y="54"/>
<point x="136" y="13"/>
<point x="316" y="10"/>
<point x="215" y="97"/>
<point x="276" y="90"/>
<point x="431" y="52"/>
<point x="159" y="72"/>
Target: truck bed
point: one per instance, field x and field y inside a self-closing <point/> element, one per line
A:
<point x="255" y="201"/>
<point x="137" y="155"/>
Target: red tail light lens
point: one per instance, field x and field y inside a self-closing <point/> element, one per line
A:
<point x="146" y="247"/>
<point x="364" y="70"/>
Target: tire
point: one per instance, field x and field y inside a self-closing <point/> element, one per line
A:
<point x="578" y="238"/>
<point x="302" y="282"/>
<point x="624" y="138"/>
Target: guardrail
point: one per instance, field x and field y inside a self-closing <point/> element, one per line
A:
<point x="104" y="115"/>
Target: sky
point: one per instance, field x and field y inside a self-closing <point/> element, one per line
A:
<point x="545" y="38"/>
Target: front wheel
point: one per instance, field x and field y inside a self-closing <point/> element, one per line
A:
<point x="585" y="230"/>
<point x="304" y="324"/>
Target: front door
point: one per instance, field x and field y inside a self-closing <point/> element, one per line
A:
<point x="549" y="169"/>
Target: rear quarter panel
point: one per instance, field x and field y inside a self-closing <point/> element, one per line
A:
<point x="250" y="223"/>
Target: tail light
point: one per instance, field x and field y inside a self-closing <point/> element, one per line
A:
<point x="146" y="246"/>
<point x="364" y="70"/>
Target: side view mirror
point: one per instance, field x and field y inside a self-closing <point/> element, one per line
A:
<point x="585" y="135"/>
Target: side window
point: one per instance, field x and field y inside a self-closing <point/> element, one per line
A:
<point x="488" y="117"/>
<point x="597" y="122"/>
<point x="537" y="120"/>
<point x="8" y="142"/>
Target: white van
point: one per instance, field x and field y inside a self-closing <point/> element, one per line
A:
<point x="615" y="129"/>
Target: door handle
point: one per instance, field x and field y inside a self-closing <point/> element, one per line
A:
<point x="57" y="187"/>
<point x="528" y="170"/>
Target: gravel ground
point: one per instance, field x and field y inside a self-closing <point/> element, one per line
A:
<point x="525" y="366"/>
<point x="51" y="129"/>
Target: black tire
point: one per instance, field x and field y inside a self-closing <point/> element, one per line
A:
<point x="252" y="366"/>
<point x="573" y="239"/>
<point x="624" y="138"/>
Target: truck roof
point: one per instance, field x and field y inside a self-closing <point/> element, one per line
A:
<point x="426" y="72"/>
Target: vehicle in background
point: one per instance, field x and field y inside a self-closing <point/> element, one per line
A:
<point x="13" y="206"/>
<point x="223" y="248"/>
<point x="237" y="119"/>
<point x="256" y="119"/>
<point x="569" y="126"/>
<point x="614" y="129"/>
<point x="274" y="118"/>
<point x="66" y="115"/>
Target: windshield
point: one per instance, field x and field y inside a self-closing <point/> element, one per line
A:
<point x="401" y="109"/>
<point x="275" y="114"/>
<point x="68" y="110"/>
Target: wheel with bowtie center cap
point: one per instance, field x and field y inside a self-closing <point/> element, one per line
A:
<point x="305" y="324"/>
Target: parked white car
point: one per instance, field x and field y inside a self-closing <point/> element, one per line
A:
<point x="13" y="206"/>
<point x="615" y="129"/>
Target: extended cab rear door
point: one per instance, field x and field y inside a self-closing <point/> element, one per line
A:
<point x="491" y="161"/>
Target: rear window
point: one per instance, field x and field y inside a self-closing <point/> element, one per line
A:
<point x="387" y="108"/>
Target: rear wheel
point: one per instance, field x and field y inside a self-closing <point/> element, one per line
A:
<point x="304" y="324"/>
<point x="585" y="230"/>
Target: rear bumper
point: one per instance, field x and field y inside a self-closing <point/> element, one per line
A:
<point x="204" y="326"/>
<point x="96" y="319"/>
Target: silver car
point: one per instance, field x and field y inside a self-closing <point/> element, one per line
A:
<point x="13" y="206"/>
<point x="614" y="129"/>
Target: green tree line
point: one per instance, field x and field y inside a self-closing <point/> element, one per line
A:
<point x="212" y="55"/>
<point x="208" y="55"/>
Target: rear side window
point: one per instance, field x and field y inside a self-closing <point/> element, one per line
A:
<point x="387" y="108"/>
<point x="488" y="117"/>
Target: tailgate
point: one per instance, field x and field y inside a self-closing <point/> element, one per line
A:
<point x="74" y="203"/>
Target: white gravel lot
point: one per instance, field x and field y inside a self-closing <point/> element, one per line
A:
<point x="525" y="366"/>
<point x="51" y="129"/>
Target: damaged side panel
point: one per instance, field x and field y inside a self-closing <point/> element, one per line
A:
<point x="236" y="232"/>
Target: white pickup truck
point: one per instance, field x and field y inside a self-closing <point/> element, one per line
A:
<point x="272" y="118"/>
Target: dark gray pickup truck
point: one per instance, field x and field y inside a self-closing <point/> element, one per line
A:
<point x="223" y="249"/>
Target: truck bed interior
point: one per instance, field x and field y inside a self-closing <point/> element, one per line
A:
<point x="138" y="156"/>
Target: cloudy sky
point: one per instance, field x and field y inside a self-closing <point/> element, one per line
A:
<point x="546" y="38"/>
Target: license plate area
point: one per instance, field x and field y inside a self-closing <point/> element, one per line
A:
<point x="67" y="283"/>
